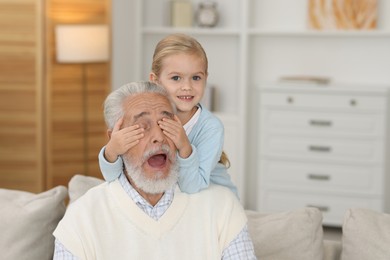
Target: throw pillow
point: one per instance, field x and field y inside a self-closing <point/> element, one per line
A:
<point x="292" y="235"/>
<point x="366" y="235"/>
<point x="80" y="184"/>
<point x="27" y="221"/>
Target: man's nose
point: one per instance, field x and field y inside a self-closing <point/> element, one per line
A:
<point x="157" y="134"/>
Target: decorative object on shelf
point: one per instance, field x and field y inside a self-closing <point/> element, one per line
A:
<point x="208" y="100"/>
<point x="181" y="13"/>
<point x="342" y="14"/>
<point x="305" y="80"/>
<point x="207" y="14"/>
<point x="83" y="44"/>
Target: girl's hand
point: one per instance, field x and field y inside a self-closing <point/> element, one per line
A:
<point x="174" y="130"/>
<point x="122" y="140"/>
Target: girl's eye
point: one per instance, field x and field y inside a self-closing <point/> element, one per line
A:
<point x="196" y="77"/>
<point x="175" y="78"/>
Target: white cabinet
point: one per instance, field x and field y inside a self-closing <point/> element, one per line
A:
<point x="326" y="147"/>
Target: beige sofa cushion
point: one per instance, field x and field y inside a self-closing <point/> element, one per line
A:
<point x="366" y="235"/>
<point x="27" y="221"/>
<point x="293" y="235"/>
<point x="332" y="249"/>
<point x="80" y="184"/>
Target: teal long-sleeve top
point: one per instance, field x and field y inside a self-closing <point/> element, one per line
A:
<point x="198" y="170"/>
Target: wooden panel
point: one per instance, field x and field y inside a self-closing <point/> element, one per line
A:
<point x="75" y="135"/>
<point x="43" y="127"/>
<point x="21" y="48"/>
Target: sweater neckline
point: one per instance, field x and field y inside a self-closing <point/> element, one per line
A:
<point x="141" y="220"/>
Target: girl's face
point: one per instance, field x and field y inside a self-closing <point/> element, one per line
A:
<point x="184" y="77"/>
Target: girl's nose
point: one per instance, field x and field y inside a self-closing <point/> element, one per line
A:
<point x="187" y="85"/>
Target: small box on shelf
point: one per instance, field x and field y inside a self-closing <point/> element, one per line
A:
<point x="181" y="13"/>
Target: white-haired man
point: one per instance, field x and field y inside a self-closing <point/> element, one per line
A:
<point x="143" y="214"/>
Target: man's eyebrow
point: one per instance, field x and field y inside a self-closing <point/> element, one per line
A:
<point x="138" y="116"/>
<point x="167" y="113"/>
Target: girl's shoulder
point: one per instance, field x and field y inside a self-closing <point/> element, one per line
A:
<point x="208" y="124"/>
<point x="207" y="117"/>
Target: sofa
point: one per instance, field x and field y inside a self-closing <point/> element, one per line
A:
<point x="27" y="221"/>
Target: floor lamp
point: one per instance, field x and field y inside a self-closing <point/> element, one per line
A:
<point x="82" y="44"/>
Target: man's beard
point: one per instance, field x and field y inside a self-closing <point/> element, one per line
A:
<point x="156" y="184"/>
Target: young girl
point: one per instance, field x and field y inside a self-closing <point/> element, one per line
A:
<point x="179" y="65"/>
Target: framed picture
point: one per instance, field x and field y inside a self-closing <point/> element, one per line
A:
<point x="342" y="14"/>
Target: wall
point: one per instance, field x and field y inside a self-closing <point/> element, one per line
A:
<point x="123" y="44"/>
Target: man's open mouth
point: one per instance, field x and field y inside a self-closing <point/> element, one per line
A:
<point x="157" y="160"/>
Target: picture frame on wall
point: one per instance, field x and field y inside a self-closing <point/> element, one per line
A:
<point x="342" y="14"/>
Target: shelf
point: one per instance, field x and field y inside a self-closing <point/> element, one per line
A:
<point x="192" y="30"/>
<point x="313" y="33"/>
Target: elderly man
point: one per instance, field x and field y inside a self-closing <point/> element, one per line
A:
<point x="143" y="214"/>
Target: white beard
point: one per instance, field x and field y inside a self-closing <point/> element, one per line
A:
<point x="154" y="185"/>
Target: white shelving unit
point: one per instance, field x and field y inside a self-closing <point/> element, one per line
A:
<point x="258" y="41"/>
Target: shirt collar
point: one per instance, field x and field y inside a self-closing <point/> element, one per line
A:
<point x="139" y="200"/>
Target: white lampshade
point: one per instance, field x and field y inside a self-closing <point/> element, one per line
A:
<point x="82" y="43"/>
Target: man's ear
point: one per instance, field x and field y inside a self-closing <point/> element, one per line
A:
<point x="109" y="132"/>
<point x="153" y="77"/>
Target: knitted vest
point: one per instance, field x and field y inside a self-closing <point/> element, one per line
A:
<point x="106" y="224"/>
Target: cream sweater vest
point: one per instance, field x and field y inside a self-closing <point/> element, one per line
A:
<point x="106" y="224"/>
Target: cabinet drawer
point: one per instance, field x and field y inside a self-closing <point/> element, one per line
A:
<point x="325" y="177"/>
<point x="299" y="100"/>
<point x="333" y="208"/>
<point x="297" y="122"/>
<point x="321" y="148"/>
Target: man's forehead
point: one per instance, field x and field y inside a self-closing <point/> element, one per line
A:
<point x="147" y="103"/>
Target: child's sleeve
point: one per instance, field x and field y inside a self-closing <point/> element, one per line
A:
<point x="200" y="168"/>
<point x="110" y="171"/>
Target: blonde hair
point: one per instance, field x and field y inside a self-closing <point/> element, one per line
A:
<point x="224" y="159"/>
<point x="174" y="44"/>
<point x="181" y="43"/>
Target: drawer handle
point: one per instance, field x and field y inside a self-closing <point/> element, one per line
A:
<point x="321" y="208"/>
<point x="316" y="148"/>
<point x="290" y="100"/>
<point x="318" y="177"/>
<point x="320" y="123"/>
<point x="353" y="102"/>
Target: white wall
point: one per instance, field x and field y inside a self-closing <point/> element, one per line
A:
<point x="123" y="44"/>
